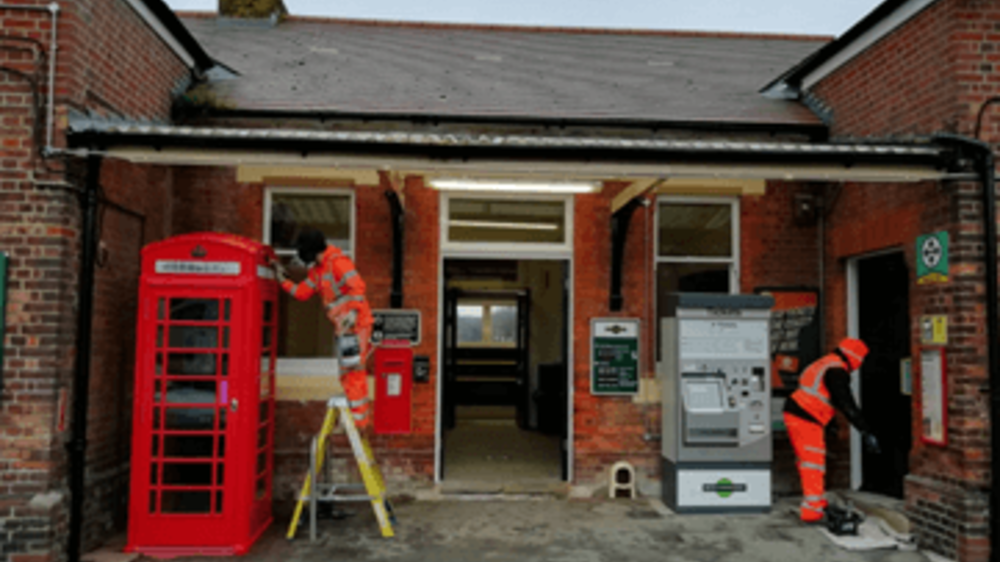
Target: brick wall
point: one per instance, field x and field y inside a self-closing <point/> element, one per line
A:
<point x="932" y="75"/>
<point x="110" y="62"/>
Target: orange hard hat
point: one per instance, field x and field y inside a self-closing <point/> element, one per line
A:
<point x="855" y="350"/>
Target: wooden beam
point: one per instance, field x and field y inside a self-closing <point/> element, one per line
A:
<point x="637" y="189"/>
<point x="305" y="175"/>
<point x="712" y="186"/>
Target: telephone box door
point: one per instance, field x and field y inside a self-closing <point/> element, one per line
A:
<point x="188" y="412"/>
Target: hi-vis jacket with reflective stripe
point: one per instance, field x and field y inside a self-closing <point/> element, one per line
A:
<point x="338" y="284"/>
<point x="812" y="394"/>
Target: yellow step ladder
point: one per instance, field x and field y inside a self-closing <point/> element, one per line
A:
<point x="314" y="491"/>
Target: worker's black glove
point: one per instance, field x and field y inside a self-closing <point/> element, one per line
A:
<point x="280" y="272"/>
<point x="870" y="443"/>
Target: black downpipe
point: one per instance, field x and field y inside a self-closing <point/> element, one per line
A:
<point x="990" y="231"/>
<point x="81" y="384"/>
<point x="619" y="231"/>
<point x="982" y="156"/>
<point x="398" y="218"/>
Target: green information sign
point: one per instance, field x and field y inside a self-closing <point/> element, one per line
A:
<point x="614" y="356"/>
<point x="3" y="310"/>
<point x="932" y="258"/>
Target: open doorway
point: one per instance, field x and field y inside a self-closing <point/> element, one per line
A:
<point x="504" y="391"/>
<point x="883" y="322"/>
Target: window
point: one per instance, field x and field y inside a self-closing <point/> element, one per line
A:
<point x="488" y="221"/>
<point x="487" y="324"/>
<point x="305" y="336"/>
<point x="697" y="243"/>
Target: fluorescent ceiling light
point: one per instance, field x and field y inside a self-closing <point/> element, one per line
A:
<point x="515" y="186"/>
<point x="512" y="225"/>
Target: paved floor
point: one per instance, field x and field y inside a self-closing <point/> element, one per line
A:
<point x="496" y="451"/>
<point x="561" y="530"/>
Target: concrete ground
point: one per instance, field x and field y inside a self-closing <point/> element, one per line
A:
<point x="556" y="530"/>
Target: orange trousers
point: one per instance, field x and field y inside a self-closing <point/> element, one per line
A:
<point x="810" y="449"/>
<point x="355" y="380"/>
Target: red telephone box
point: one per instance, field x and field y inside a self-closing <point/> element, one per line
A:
<point x="393" y="387"/>
<point x="204" y="397"/>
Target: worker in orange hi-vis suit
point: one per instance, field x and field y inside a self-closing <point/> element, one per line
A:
<point x="333" y="276"/>
<point x="823" y="386"/>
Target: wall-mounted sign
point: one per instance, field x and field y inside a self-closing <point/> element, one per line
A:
<point x="794" y="334"/>
<point x="906" y="376"/>
<point x="934" y="396"/>
<point x="183" y="267"/>
<point x="934" y="330"/>
<point x="614" y="356"/>
<point x="396" y="324"/>
<point x="932" y="258"/>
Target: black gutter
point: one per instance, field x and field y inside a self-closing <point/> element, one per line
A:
<point x="982" y="157"/>
<point x="81" y="383"/>
<point x="619" y="232"/>
<point x="169" y="20"/>
<point x="793" y="76"/>
<point x="398" y="219"/>
<point x="525" y="153"/>
<point x="814" y="131"/>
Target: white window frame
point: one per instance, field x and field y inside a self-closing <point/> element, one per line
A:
<point x="317" y="366"/>
<point x="733" y="261"/>
<point x="491" y="248"/>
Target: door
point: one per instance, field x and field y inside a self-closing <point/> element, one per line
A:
<point x="185" y="420"/>
<point x="884" y="324"/>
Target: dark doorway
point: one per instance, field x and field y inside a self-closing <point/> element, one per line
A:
<point x="884" y="324"/>
<point x="504" y="384"/>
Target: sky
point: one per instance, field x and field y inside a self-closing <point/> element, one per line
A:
<point x="814" y="17"/>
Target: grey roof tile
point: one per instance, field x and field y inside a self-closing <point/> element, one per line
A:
<point x="462" y="71"/>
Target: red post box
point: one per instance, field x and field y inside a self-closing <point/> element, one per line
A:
<point x="204" y="397"/>
<point x="393" y="387"/>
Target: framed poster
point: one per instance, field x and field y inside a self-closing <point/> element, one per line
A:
<point x="614" y="356"/>
<point x="934" y="396"/>
<point x="794" y="334"/>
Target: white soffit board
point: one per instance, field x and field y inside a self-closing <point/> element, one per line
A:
<point x="866" y="40"/>
<point x="153" y="22"/>
<point x="563" y="170"/>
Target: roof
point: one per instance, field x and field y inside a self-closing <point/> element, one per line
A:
<point x="175" y="30"/>
<point x="454" y="71"/>
<point x="885" y="18"/>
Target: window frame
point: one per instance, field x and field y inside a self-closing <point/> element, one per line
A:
<point x="733" y="260"/>
<point x="314" y="366"/>
<point x="491" y="248"/>
<point x="487" y="305"/>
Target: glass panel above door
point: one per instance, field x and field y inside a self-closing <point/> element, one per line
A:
<point x="506" y="221"/>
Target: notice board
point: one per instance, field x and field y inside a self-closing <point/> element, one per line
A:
<point x="794" y="334"/>
<point x="614" y="356"/>
<point x="396" y="324"/>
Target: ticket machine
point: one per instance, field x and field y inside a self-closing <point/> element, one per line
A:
<point x="714" y="371"/>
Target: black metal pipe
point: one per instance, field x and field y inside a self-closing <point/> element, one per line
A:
<point x="619" y="232"/>
<point x="81" y="383"/>
<point x="398" y="218"/>
<point x="987" y="164"/>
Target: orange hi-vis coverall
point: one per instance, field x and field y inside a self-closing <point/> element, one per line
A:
<point x="343" y="292"/>
<point x="812" y="399"/>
